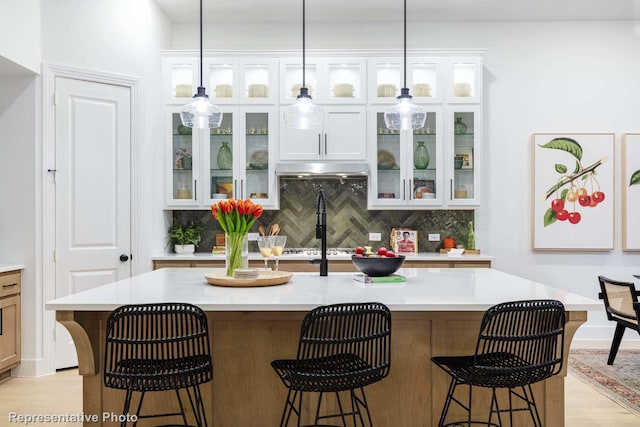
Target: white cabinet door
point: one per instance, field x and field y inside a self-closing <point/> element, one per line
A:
<point x="344" y="136"/>
<point x="464" y="155"/>
<point x="299" y="144"/>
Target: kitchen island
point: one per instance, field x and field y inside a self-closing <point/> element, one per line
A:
<point x="435" y="312"/>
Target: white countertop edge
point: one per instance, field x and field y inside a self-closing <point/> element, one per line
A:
<point x="11" y="267"/>
<point x="423" y="256"/>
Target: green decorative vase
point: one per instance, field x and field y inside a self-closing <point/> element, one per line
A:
<point x="459" y="126"/>
<point x="421" y="156"/>
<point x="225" y="157"/>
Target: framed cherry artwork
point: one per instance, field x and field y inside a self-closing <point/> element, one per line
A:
<point x="572" y="196"/>
<point x="630" y="191"/>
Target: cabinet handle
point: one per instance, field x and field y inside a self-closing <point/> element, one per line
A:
<point x="404" y="189"/>
<point x="409" y="189"/>
<point x="9" y="285"/>
<point x="242" y="188"/>
<point x="319" y="145"/>
<point x="451" y="189"/>
<point x="325" y="144"/>
<point x="235" y="188"/>
<point x="0" y="321"/>
<point x="195" y="189"/>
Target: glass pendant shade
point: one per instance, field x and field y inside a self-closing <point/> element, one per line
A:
<point x="405" y="114"/>
<point x="303" y="114"/>
<point x="200" y="113"/>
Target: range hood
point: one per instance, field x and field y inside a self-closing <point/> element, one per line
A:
<point x="322" y="169"/>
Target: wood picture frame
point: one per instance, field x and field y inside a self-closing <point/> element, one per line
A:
<point x="467" y="157"/>
<point x="630" y="191"/>
<point x="404" y="241"/>
<point x="568" y="169"/>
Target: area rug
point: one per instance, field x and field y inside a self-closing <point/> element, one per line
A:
<point x="620" y="382"/>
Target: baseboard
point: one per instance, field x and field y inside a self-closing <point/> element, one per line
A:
<point x="32" y="368"/>
<point x="628" y="344"/>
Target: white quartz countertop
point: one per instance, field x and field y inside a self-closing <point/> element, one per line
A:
<point x="423" y="256"/>
<point x="426" y="289"/>
<point x="10" y="267"/>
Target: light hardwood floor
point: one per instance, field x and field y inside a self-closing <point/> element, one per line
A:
<point x="61" y="393"/>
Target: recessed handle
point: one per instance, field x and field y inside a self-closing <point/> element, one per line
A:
<point x="9" y="285"/>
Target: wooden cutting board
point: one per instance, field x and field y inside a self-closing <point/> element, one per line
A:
<point x="265" y="278"/>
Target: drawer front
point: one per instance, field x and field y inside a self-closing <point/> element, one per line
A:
<point x="9" y="283"/>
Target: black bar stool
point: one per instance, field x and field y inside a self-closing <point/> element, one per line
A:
<point x="158" y="347"/>
<point x="520" y="343"/>
<point x="342" y="347"/>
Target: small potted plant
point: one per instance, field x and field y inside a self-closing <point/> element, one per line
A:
<point x="185" y="238"/>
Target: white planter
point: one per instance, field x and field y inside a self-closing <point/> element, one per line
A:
<point x="184" y="249"/>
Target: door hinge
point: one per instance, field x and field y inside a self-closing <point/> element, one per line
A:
<point x="54" y="255"/>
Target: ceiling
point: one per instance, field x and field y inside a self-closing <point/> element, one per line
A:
<point x="187" y="11"/>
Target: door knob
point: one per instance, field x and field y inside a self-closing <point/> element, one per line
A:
<point x="124" y="257"/>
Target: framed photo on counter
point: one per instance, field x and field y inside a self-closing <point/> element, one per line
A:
<point x="404" y="241"/>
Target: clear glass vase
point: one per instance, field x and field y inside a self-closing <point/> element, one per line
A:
<point x="421" y="156"/>
<point x="236" y="251"/>
<point x="459" y="126"/>
<point x="225" y="157"/>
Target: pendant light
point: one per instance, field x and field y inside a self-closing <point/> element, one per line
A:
<point x="303" y="114"/>
<point x="405" y="114"/>
<point x="201" y="114"/>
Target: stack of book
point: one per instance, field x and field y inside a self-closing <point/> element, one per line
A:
<point x="391" y="279"/>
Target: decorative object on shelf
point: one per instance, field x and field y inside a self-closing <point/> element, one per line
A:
<point x="424" y="188"/>
<point x="201" y="114"/>
<point x="467" y="157"/>
<point x="405" y="114"/>
<point x="295" y="89"/>
<point x="236" y="216"/>
<point x="460" y="192"/>
<point x="459" y="127"/>
<point x="225" y="188"/>
<point x="184" y="130"/>
<point x="386" y="160"/>
<point x="448" y="243"/>
<point x="225" y="157"/>
<point x="183" y="90"/>
<point x="303" y="114"/>
<point x="471" y="237"/>
<point x="387" y="90"/>
<point x="458" y="161"/>
<point x="573" y="191"/>
<point x="422" y="89"/>
<point x="259" y="159"/>
<point x="421" y="156"/>
<point x="224" y="91"/>
<point x="343" y="90"/>
<point x="462" y="89"/>
<point x="184" y="159"/>
<point x="184" y="238"/>
<point x="258" y="90"/>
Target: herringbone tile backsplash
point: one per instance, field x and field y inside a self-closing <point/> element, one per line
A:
<point x="348" y="220"/>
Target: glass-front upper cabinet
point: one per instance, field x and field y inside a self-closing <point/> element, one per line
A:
<point x="181" y="77"/>
<point x="464" y="80"/>
<point x="406" y="165"/>
<point x="329" y="80"/>
<point x="222" y="80"/>
<point x="425" y="77"/>
<point x="258" y="81"/>
<point x="464" y="129"/>
<point x="256" y="177"/>
<point x="385" y="79"/>
<point x="181" y="162"/>
<point x="221" y="153"/>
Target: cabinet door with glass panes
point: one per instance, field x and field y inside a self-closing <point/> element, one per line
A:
<point x="258" y="80"/>
<point x="426" y="79"/>
<point x="463" y="80"/>
<point x="406" y="166"/>
<point x="257" y="154"/>
<point x="182" y="161"/>
<point x="464" y="156"/>
<point x="180" y="79"/>
<point x="221" y="181"/>
<point x="221" y="79"/>
<point x="385" y="77"/>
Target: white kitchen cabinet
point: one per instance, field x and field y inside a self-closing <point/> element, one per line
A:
<point x="464" y="144"/>
<point x="343" y="137"/>
<point x="464" y="80"/>
<point x="241" y="80"/>
<point x="234" y="160"/>
<point x="401" y="177"/>
<point x="339" y="80"/>
<point x="425" y="79"/>
<point x="180" y="78"/>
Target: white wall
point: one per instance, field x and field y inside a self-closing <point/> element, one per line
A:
<point x="20" y="33"/>
<point x="115" y="36"/>
<point x="539" y="77"/>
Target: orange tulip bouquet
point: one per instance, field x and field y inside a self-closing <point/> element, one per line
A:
<point x="236" y="216"/>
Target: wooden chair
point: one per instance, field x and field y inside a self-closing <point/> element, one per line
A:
<point x="342" y="347"/>
<point x="520" y="343"/>
<point x="158" y="347"/>
<point x="622" y="306"/>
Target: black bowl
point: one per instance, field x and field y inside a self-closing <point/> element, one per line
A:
<point x="377" y="266"/>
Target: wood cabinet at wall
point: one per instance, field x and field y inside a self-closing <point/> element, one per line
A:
<point x="335" y="266"/>
<point x="10" y="284"/>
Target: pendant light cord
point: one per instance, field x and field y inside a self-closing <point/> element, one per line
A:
<point x="201" y="43"/>
<point x="405" y="43"/>
<point x="303" y="44"/>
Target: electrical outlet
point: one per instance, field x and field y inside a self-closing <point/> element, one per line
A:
<point x="434" y="237"/>
<point x="375" y="237"/>
<point x="253" y="237"/>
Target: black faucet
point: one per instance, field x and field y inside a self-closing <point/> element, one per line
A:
<point x="321" y="232"/>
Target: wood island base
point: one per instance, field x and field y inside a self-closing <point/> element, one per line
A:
<point x="246" y="392"/>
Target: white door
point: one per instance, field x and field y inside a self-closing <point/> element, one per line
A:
<point x="93" y="164"/>
<point x="345" y="133"/>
